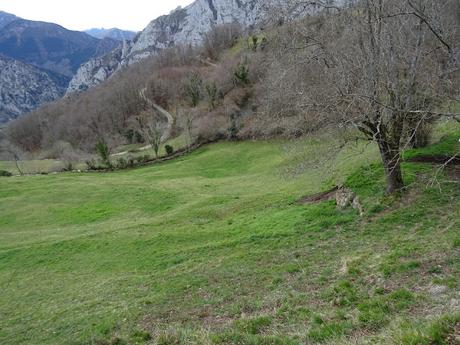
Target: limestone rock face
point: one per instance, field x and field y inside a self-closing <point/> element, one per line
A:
<point x="186" y="26"/>
<point x="183" y="26"/>
<point x="23" y="88"/>
<point x="38" y="60"/>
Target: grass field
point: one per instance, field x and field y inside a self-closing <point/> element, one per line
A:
<point x="212" y="248"/>
<point x="45" y="166"/>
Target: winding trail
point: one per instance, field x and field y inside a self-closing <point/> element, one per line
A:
<point x="170" y="119"/>
<point x="162" y="111"/>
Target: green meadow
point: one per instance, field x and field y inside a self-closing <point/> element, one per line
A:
<point x="213" y="248"/>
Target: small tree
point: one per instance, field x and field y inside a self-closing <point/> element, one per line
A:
<point x="169" y="150"/>
<point x="187" y="119"/>
<point x="241" y="75"/>
<point x="193" y="89"/>
<point x="212" y="93"/>
<point x="233" y="127"/>
<point x="103" y="149"/>
<point x="150" y="125"/>
<point x="11" y="152"/>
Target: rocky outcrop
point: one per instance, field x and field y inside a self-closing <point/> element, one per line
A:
<point x="95" y="71"/>
<point x="187" y="26"/>
<point x="23" y="88"/>
<point x="183" y="26"/>
<point x="345" y="197"/>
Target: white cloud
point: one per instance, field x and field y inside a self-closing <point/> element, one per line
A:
<point x="86" y="14"/>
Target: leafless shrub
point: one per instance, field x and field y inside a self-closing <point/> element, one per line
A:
<point x="219" y="39"/>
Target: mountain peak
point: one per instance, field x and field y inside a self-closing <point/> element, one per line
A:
<point x="113" y="33"/>
<point x="6" y="18"/>
<point x="186" y="25"/>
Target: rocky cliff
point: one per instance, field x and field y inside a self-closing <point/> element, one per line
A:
<point x="24" y="88"/>
<point x="183" y="26"/>
<point x="51" y="55"/>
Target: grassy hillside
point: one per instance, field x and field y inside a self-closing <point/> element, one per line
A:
<point x="212" y="248"/>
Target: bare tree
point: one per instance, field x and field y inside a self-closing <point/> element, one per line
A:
<point x="187" y="119"/>
<point x="377" y="66"/>
<point x="152" y="128"/>
<point x="11" y="152"/>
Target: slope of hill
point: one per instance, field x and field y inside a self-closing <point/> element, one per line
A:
<point x="114" y="33"/>
<point x="183" y="26"/>
<point x="46" y="56"/>
<point x="24" y="87"/>
<point x="6" y="18"/>
<point x="212" y="248"/>
<point x="50" y="46"/>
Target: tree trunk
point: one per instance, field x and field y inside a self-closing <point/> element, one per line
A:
<point x="16" y="161"/>
<point x="391" y="159"/>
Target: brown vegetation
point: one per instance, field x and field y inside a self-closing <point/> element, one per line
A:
<point x="382" y="67"/>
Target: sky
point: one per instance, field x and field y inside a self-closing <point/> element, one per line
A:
<point x="86" y="14"/>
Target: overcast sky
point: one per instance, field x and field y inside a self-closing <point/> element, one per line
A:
<point x="85" y="14"/>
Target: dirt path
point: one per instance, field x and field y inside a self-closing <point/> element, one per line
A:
<point x="329" y="195"/>
<point x="162" y="111"/>
<point x="126" y="152"/>
<point x="438" y="159"/>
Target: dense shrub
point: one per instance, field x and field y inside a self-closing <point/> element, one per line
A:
<point x="103" y="150"/>
<point x="121" y="163"/>
<point x="92" y="164"/>
<point x="68" y="166"/>
<point x="242" y="74"/>
<point x="169" y="150"/>
<point x="141" y="159"/>
<point x="4" y="173"/>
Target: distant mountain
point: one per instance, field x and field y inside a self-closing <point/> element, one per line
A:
<point x="6" y="18"/>
<point x="51" y="46"/>
<point x="182" y="26"/>
<point x="24" y="87"/>
<point x="38" y="60"/>
<point x="114" y="33"/>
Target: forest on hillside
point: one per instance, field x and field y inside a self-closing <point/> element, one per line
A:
<point x="386" y="70"/>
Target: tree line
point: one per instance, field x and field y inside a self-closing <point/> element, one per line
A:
<point x="384" y="69"/>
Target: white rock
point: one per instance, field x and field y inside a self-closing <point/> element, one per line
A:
<point x="23" y="88"/>
<point x="183" y="26"/>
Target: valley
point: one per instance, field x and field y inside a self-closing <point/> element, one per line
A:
<point x="239" y="172"/>
<point x="212" y="248"/>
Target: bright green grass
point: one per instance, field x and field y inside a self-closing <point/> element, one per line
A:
<point x="211" y="248"/>
<point x="134" y="149"/>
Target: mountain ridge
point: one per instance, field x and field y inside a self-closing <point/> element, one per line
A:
<point x="186" y="25"/>
<point x="40" y="48"/>
<point x="50" y="46"/>
<point x="113" y="33"/>
<point x="6" y="18"/>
